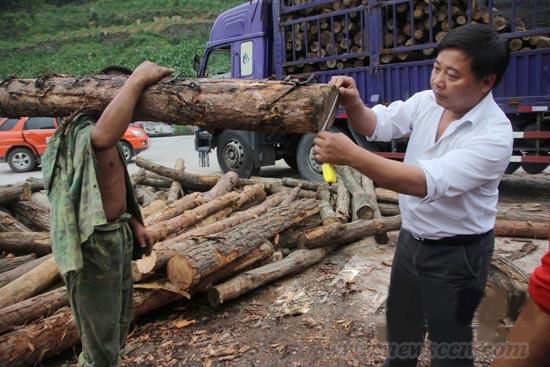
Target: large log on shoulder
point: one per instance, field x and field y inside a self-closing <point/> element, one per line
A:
<point x="269" y="106"/>
<point x="52" y="335"/>
<point x="194" y="263"/>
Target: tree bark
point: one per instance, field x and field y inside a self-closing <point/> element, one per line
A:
<point x="386" y="196"/>
<point x="194" y="263"/>
<point x="19" y="191"/>
<point x="223" y="186"/>
<point x="268" y="106"/>
<point x="20" y="243"/>
<point x="152" y="208"/>
<point x="509" y="228"/>
<point x="368" y="186"/>
<point x="252" y="279"/>
<point x="10" y="263"/>
<point x="9" y="223"/>
<point x="360" y="204"/>
<point x="340" y="234"/>
<point x="176" y="190"/>
<point x="163" y="251"/>
<point x="30" y="283"/>
<point x="13" y="274"/>
<point x="163" y="230"/>
<point x="342" y="200"/>
<point x="52" y="335"/>
<point x="31" y="309"/>
<point x="31" y="215"/>
<point x="188" y="181"/>
<point x="328" y="215"/>
<point x="41" y="199"/>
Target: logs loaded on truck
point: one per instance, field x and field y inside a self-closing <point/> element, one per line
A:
<point x="388" y="47"/>
<point x="217" y="236"/>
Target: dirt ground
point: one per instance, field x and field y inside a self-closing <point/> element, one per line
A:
<point x="333" y="314"/>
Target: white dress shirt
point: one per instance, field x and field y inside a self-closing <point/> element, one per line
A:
<point x="463" y="169"/>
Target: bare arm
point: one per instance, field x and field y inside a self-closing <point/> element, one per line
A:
<point x="114" y="120"/>
<point x="361" y="118"/>
<point x="387" y="173"/>
<point x="532" y="328"/>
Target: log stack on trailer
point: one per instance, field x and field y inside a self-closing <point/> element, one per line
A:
<point x="336" y="35"/>
<point x="217" y="236"/>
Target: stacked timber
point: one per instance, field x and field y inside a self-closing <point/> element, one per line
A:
<point x="217" y="236"/>
<point x="334" y="35"/>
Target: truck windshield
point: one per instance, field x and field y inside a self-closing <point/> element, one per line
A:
<point x="218" y="65"/>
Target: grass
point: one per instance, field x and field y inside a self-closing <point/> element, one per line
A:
<point x="84" y="37"/>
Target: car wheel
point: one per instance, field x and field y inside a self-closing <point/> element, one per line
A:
<point x="127" y="151"/>
<point x="22" y="160"/>
<point x="235" y="153"/>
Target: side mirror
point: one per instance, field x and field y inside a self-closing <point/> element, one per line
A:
<point x="196" y="62"/>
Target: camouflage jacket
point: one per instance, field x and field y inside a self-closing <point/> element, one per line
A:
<point x="69" y="170"/>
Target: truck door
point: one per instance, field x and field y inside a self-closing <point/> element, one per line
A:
<point x="37" y="131"/>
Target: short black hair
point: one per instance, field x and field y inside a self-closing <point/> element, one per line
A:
<point x="116" y="69"/>
<point x="488" y="53"/>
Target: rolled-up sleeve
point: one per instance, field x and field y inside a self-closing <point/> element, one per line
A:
<point x="395" y="120"/>
<point x="483" y="159"/>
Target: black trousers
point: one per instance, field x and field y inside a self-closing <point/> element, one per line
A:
<point x="435" y="287"/>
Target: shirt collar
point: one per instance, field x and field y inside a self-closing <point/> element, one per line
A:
<point x="476" y="113"/>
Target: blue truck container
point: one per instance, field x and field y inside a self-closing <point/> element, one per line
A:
<point x="298" y="38"/>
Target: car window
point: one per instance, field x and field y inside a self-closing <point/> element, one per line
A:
<point x="8" y="124"/>
<point x="36" y="123"/>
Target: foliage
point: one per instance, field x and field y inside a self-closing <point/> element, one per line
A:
<point x="79" y="37"/>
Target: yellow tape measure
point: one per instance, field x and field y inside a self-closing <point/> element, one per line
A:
<point x="329" y="174"/>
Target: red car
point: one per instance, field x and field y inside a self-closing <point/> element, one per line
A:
<point x="24" y="140"/>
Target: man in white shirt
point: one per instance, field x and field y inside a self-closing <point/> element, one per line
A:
<point x="459" y="146"/>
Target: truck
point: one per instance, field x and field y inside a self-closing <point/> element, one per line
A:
<point x="388" y="47"/>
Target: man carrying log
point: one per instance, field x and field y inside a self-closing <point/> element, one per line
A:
<point x="95" y="219"/>
<point x="459" y="146"/>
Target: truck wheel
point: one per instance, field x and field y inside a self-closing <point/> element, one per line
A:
<point x="235" y="153"/>
<point x="127" y="151"/>
<point x="22" y="160"/>
<point x="308" y="166"/>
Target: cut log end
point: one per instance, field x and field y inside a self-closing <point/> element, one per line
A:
<point x="180" y="272"/>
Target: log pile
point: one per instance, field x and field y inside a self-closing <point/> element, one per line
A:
<point x="217" y="236"/>
<point x="335" y="34"/>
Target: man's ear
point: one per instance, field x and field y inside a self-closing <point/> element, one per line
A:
<point x="488" y="83"/>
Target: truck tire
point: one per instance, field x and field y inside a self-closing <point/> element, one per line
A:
<point x="308" y="166"/>
<point x="22" y="160"/>
<point x="235" y="153"/>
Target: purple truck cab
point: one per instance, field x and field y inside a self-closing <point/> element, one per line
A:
<point x="259" y="39"/>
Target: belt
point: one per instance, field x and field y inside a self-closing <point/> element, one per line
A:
<point x="457" y="240"/>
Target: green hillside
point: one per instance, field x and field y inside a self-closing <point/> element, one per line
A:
<point x="81" y="37"/>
